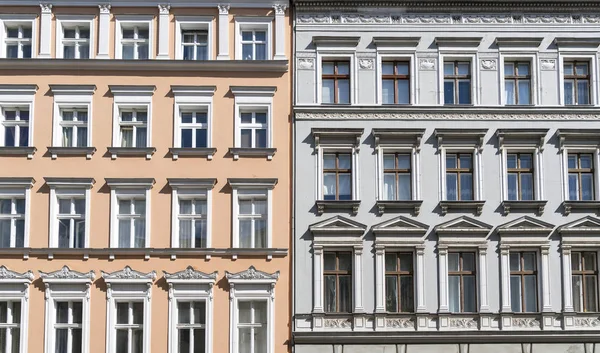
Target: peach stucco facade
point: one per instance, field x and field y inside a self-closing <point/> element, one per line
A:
<point x="222" y="255"/>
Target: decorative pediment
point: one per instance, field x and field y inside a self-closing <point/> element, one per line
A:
<point x="128" y="275"/>
<point x="463" y="226"/>
<point x="337" y="136"/>
<point x="585" y="230"/>
<point x="251" y="275"/>
<point x="526" y="138"/>
<point x="7" y="275"/>
<point x="65" y="274"/>
<point x="400" y="231"/>
<point x="526" y="225"/>
<point x="338" y="225"/>
<point x="464" y="137"/>
<point x="398" y="137"/>
<point x="189" y="274"/>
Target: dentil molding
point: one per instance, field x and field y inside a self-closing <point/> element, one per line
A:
<point x="438" y="116"/>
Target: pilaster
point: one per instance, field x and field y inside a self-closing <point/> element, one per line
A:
<point x="103" y="31"/>
<point x="45" y="30"/>
<point x="163" y="31"/>
<point x="443" y="276"/>
<point x="280" y="34"/>
<point x="223" y="32"/>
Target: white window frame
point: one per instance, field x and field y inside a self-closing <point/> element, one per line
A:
<point x="324" y="55"/>
<point x="253" y="127"/>
<point x="129" y="97"/>
<point x="579" y="141"/>
<point x="251" y="285"/>
<point x="69" y="21"/>
<point x="67" y="285"/>
<point x="127" y="285"/>
<point x="251" y="188"/>
<point x="18" y="96"/>
<point x="128" y="189"/>
<point x="473" y="59"/>
<point x="388" y="54"/>
<point x="253" y="99"/>
<point x="534" y="73"/>
<point x="134" y="123"/>
<point x="198" y="98"/>
<point x="191" y="23"/>
<point x="19" y="188"/>
<point x="244" y="23"/>
<point x="14" y="287"/>
<point x="18" y="20"/>
<point x="190" y="285"/>
<point x="127" y="21"/>
<point x="71" y="98"/>
<point x="593" y="70"/>
<point x="191" y="189"/>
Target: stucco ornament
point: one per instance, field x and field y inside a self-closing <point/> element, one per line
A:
<point x="427" y="19"/>
<point x="547" y="19"/>
<point x="352" y="18"/>
<point x="306" y="63"/>
<point x="128" y="273"/>
<point x="486" y="19"/>
<point x="399" y="323"/>
<point x="548" y="64"/>
<point x="438" y="116"/>
<point x="489" y="64"/>
<point x="223" y="9"/>
<point x="525" y="322"/>
<point x="5" y="273"/>
<point x="338" y="323"/>
<point x="67" y="273"/>
<point x="252" y="273"/>
<point x="279" y="9"/>
<point x="463" y="322"/>
<point x="427" y="64"/>
<point x="366" y="64"/>
<point x="587" y="322"/>
<point x="190" y="273"/>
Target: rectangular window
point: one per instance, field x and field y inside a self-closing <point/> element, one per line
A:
<point x="194" y="129"/>
<point x="254" y="45"/>
<point x="459" y="176"/>
<point x="12" y="222"/>
<point x="517" y="83"/>
<point x="130" y="327"/>
<point x="457" y="82"/>
<point x="523" y="282"/>
<point x="253" y="129"/>
<point x="74" y="125"/>
<point x="195" y="44"/>
<point x="399" y="290"/>
<point x="76" y="42"/>
<point x="71" y="222"/>
<point x="252" y="326"/>
<point x="68" y="327"/>
<point x="18" y="41"/>
<point x="253" y="219"/>
<point x="581" y="176"/>
<point x="191" y="326"/>
<point x="577" y="82"/>
<point x="135" y="42"/>
<point x="584" y="277"/>
<point x="462" y="282"/>
<point x="16" y="127"/>
<point x="337" y="273"/>
<point x="337" y="176"/>
<point x="519" y="167"/>
<point x="131" y="218"/>
<point x="192" y="223"/>
<point x="10" y="326"/>
<point x="336" y="82"/>
<point x="397" y="176"/>
<point x="133" y="127"/>
<point x="395" y="82"/>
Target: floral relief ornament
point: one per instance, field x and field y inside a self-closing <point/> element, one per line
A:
<point x="190" y="273"/>
<point x="337" y="323"/>
<point x="400" y="323"/>
<point x="587" y="322"/>
<point x="488" y="64"/>
<point x="548" y="64"/>
<point x="427" y="64"/>
<point x="306" y="63"/>
<point x="525" y="322"/>
<point x="5" y="273"/>
<point x="251" y="273"/>
<point x="366" y="64"/>
<point x="463" y="323"/>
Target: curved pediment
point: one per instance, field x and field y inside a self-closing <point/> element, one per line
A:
<point x="65" y="274"/>
<point x="190" y="275"/>
<point x="12" y="276"/>
<point x="252" y="275"/>
<point x="128" y="275"/>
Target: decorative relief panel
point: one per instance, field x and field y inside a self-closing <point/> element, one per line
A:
<point x="587" y="322"/>
<point x="463" y="323"/>
<point x="548" y="64"/>
<point x="400" y="323"/>
<point x="306" y="64"/>
<point x="441" y="116"/>
<point x="525" y="322"/>
<point x="427" y="64"/>
<point x="338" y="323"/>
<point x="489" y="64"/>
<point x="366" y="64"/>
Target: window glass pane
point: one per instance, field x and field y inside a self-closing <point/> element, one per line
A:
<point x="403" y="161"/>
<point x="345" y="261"/>
<point x="451" y="186"/>
<point x="524" y="92"/>
<point x="448" y="68"/>
<point x="404" y="187"/>
<point x="247" y="53"/>
<point x="470" y="294"/>
<point x="138" y="312"/>
<point x="343" y="68"/>
<point x="391" y="293"/>
<point x="572" y="161"/>
<point x="389" y="161"/>
<point x="77" y="312"/>
<point x="62" y="312"/>
<point x="137" y="340"/>
<point x="343" y="91"/>
<point x="345" y="293"/>
<point x="464" y="68"/>
<point x="27" y="50"/>
<point x="403" y="68"/>
<point x="64" y="232"/>
<point x="328" y="91"/>
<point x="329" y="261"/>
<point x="61" y="344"/>
<point x="569" y="89"/>
<point x="575" y="261"/>
<point x="391" y="262"/>
<point x="330" y="294"/>
<point x="573" y="187"/>
<point x="4" y="312"/>
<point x="468" y="261"/>
<point x="387" y="68"/>
<point x="526" y="161"/>
<point x="449" y="92"/>
<point x="406" y="262"/>
<point x="583" y="92"/>
<point x="344" y="161"/>
<point x="406" y="294"/>
<point x="581" y="69"/>
<point x="122" y="313"/>
<point x="587" y="186"/>
<point x="523" y="69"/>
<point x="260" y="138"/>
<point x="577" y="292"/>
<point x="186" y="138"/>
<point x="451" y="161"/>
<point x="512" y="186"/>
<point x="199" y="312"/>
<point x="466" y="186"/>
<point x="403" y="92"/>
<point x="454" y="293"/>
<point x="591" y="299"/>
<point x="568" y="68"/>
<point x="529" y="261"/>
<point x="515" y="264"/>
<point x="530" y="294"/>
<point x="246" y="138"/>
<point x="183" y="312"/>
<point x="526" y="186"/>
<point x="328" y="68"/>
<point x="585" y="161"/>
<point x="184" y="340"/>
<point x="185" y="233"/>
<point x="464" y="92"/>
<point x="387" y="91"/>
<point x="124" y="233"/>
<point x="329" y="161"/>
<point x="261" y="51"/>
<point x="5" y="206"/>
<point x="345" y="187"/>
<point x="329" y="186"/>
<point x="590" y="261"/>
<point x="16" y="338"/>
<point x="509" y="69"/>
<point x="245" y="233"/>
<point x="515" y="293"/>
<point x="12" y="51"/>
<point x="199" y="341"/>
<point x="465" y="161"/>
<point x="453" y="261"/>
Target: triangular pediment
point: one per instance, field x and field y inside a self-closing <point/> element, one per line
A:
<point x="587" y="225"/>
<point x="400" y="225"/>
<point x="463" y="224"/>
<point x="526" y="225"/>
<point x="338" y="224"/>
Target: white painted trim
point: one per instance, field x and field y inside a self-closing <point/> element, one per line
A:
<point x="253" y="23"/>
<point x="103" y="31"/>
<point x="567" y="285"/>
<point x="415" y="177"/>
<point x="593" y="71"/>
<point x="235" y="205"/>
<point x="117" y="193"/>
<point x="318" y="279"/>
<point x="12" y="19"/>
<point x="128" y="20"/>
<point x="280" y="32"/>
<point x="475" y="77"/>
<point x="163" y="31"/>
<point x="201" y="102"/>
<point x="322" y="149"/>
<point x="197" y="193"/>
<point x="223" y="25"/>
<point x="13" y="294"/>
<point x="262" y="292"/>
<point x="72" y="20"/>
<point x="75" y="191"/>
<point x="12" y="100"/>
<point x="45" y="31"/>
<point x="71" y="101"/>
<point x="335" y="54"/>
<point x="251" y="103"/>
<point x="125" y="101"/>
<point x="406" y="55"/>
<point x="193" y="22"/>
<point x="535" y="87"/>
<point x="443" y="279"/>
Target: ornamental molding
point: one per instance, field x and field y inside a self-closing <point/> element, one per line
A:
<point x="46" y="8"/>
<point x="440" y="116"/>
<point x="104" y="8"/>
<point x="366" y="64"/>
<point x="190" y="274"/>
<point x="252" y="274"/>
<point x="587" y="322"/>
<point x="306" y="63"/>
<point x="279" y="9"/>
<point x="525" y="322"/>
<point x="67" y="273"/>
<point x="128" y="274"/>
<point x="547" y="64"/>
<point x="463" y="323"/>
<point x="489" y="64"/>
<point x="427" y="64"/>
<point x="400" y="323"/>
<point x="338" y="323"/>
<point x="223" y="9"/>
<point x="6" y="274"/>
<point x="164" y="9"/>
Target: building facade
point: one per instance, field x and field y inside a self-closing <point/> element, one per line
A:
<point x="446" y="184"/>
<point x="145" y="187"/>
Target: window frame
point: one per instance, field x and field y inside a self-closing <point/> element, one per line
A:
<point x="14" y="287"/>
<point x="244" y="23"/>
<point x="516" y="78"/>
<point x="534" y="74"/>
<point x="19" y="187"/>
<point x="518" y="170"/>
<point x="445" y="56"/>
<point x="575" y="78"/>
<point x="130" y="97"/>
<point x="330" y="55"/>
<point x="9" y="20"/>
<point x="337" y="273"/>
<point x="456" y="78"/>
<point x="578" y="141"/>
<point x="336" y="76"/>
<point x="18" y="96"/>
<point x="193" y="23"/>
<point x="71" y="98"/>
<point x="579" y="171"/>
<point x="522" y="273"/>
<point x="126" y="21"/>
<point x="592" y="60"/>
<point x="67" y="21"/>
<point x="461" y="273"/>
<point x="398" y="274"/>
<point x="253" y="99"/>
<point x="583" y="273"/>
<point x="383" y="55"/>
<point x="338" y="171"/>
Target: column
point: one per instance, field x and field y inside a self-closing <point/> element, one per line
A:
<point x="163" y="31"/>
<point x="318" y="280"/>
<point x="358" y="287"/>
<point x="483" y="285"/>
<point x="280" y="34"/>
<point x="103" y="31"/>
<point x="223" y="32"/>
<point x="379" y="279"/>
<point x="505" y="280"/>
<point x="567" y="284"/>
<point x="443" y="273"/>
<point x="45" y="30"/>
<point x="546" y="303"/>
<point x="420" y="274"/>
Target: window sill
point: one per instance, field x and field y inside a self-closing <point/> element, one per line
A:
<point x="326" y="205"/>
<point x="399" y="206"/>
<point x="475" y="205"/>
<point x="192" y="152"/>
<point x="537" y="205"/>
<point x="582" y="206"/>
<point x="238" y="152"/>
<point x="18" y="151"/>
<point x="131" y="152"/>
<point x="71" y="151"/>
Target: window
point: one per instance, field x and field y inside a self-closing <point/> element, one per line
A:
<point x="457" y="82"/>
<point x="135" y="42"/>
<point x="10" y="326"/>
<point x="459" y="176"/>
<point x="68" y="326"/>
<point x="337" y="176"/>
<point x="133" y="125"/>
<point x="16" y="126"/>
<point x="76" y="42"/>
<point x="337" y="276"/>
<point x="396" y="82"/>
<point x="195" y="45"/>
<point x="130" y="212"/>
<point x="74" y="126"/>
<point x="253" y="38"/>
<point x="520" y="176"/>
<point x="399" y="290"/>
<point x="254" y="44"/>
<point x="193" y="37"/>
<point x="194" y="129"/>
<point x="192" y="121"/>
<point x="132" y="222"/>
<point x="584" y="276"/>
<point x="253" y="128"/>
<point x="336" y="82"/>
<point x="523" y="282"/>
<point x="462" y="286"/>
<point x="397" y="176"/>
<point x="191" y="326"/>
<point x="581" y="176"/>
<point x="252" y="326"/>
<point x="12" y="221"/>
<point x="71" y="222"/>
<point x="517" y="83"/>
<point x="576" y="82"/>
<point x="18" y="40"/>
<point x="253" y="220"/>
<point x="192" y="220"/>
<point x="130" y="327"/>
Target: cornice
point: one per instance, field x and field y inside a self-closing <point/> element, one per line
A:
<point x="148" y="4"/>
